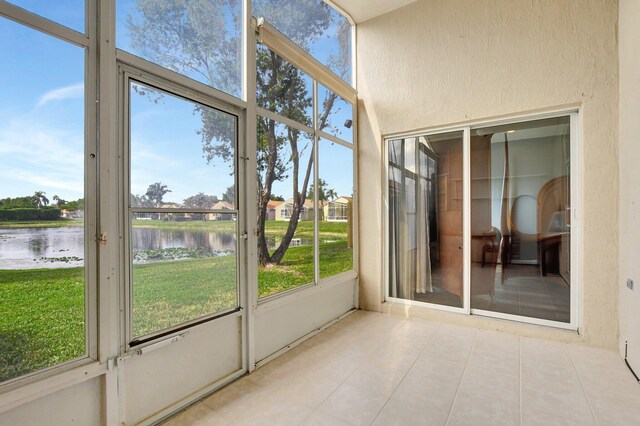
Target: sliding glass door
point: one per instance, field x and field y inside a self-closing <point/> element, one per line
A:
<point x="490" y="201"/>
<point x="521" y="222"/>
<point x="425" y="219"/>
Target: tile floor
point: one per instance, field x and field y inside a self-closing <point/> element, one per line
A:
<point x="525" y="292"/>
<point x="384" y="370"/>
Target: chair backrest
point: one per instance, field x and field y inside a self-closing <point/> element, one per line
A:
<point x="552" y="198"/>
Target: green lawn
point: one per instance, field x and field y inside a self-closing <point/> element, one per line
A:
<point x="273" y="228"/>
<point x="43" y="224"/>
<point x="41" y="319"/>
<point x="42" y="311"/>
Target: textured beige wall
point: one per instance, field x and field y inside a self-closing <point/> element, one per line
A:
<point x="439" y="62"/>
<point x="629" y="39"/>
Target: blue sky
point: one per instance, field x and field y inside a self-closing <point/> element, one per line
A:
<point x="42" y="111"/>
<point x="65" y="12"/>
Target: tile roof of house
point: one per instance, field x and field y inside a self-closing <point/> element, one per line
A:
<point x="272" y="204"/>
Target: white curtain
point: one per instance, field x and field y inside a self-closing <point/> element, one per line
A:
<point x="409" y="256"/>
<point x="423" y="272"/>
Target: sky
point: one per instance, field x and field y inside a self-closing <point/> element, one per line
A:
<point x="42" y="111"/>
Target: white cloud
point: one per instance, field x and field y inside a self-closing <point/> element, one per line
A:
<point x="73" y="91"/>
<point x="35" y="156"/>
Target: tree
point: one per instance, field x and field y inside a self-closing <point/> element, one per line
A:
<point x="276" y="197"/>
<point x="140" y="201"/>
<point x="200" y="201"/>
<point x="324" y="194"/>
<point x="230" y="195"/>
<point x="191" y="36"/>
<point x="156" y="192"/>
<point x="59" y="202"/>
<point x="40" y="199"/>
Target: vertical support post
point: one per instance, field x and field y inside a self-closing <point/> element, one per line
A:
<point x="248" y="216"/>
<point x="466" y="218"/>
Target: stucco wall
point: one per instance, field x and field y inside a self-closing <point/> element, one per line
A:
<point x="437" y="62"/>
<point x="629" y="39"/>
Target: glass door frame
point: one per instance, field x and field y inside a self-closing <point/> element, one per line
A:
<point x="575" y="199"/>
<point x="191" y="92"/>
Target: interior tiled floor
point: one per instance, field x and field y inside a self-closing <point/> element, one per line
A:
<point x="378" y="369"/>
<point x="523" y="291"/>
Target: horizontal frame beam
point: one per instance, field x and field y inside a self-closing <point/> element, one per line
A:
<point x="278" y="42"/>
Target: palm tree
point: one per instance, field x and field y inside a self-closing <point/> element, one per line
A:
<point x="156" y="191"/>
<point x="39" y="199"/>
<point x="331" y="194"/>
<point x="59" y="201"/>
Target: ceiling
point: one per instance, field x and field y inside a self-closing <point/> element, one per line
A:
<point x="363" y="10"/>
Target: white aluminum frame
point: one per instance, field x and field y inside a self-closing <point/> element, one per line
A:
<point x="130" y="74"/>
<point x="574" y="114"/>
<point x="106" y="215"/>
<point x="320" y="74"/>
<point x="88" y="42"/>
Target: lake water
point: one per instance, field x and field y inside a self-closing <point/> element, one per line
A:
<point x="32" y="248"/>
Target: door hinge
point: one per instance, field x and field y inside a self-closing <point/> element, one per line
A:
<point x="102" y="238"/>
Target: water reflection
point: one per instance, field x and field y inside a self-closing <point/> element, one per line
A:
<point x="32" y="248"/>
<point x="158" y="239"/>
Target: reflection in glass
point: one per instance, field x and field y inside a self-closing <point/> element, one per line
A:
<point x="66" y="12"/>
<point x="182" y="269"/>
<point x="335" y="115"/>
<point x="425" y="219"/>
<point x="335" y="195"/>
<point x="282" y="88"/>
<point x="314" y="26"/>
<point x="520" y="219"/>
<point x="201" y="39"/>
<point x="285" y="208"/>
<point x="182" y="152"/>
<point x="42" y="244"/>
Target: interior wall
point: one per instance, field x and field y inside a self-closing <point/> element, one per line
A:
<point x="629" y="226"/>
<point x="435" y="63"/>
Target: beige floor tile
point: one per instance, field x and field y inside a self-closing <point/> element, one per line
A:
<point x="450" y="343"/>
<point x="616" y="412"/>
<point x="589" y="359"/>
<point x="482" y="382"/>
<point x="496" y="342"/>
<point x="621" y="386"/>
<point x="196" y="415"/>
<point x="427" y="395"/>
<point x="545" y="418"/>
<point x="441" y="369"/>
<point x="545" y="351"/>
<point x="309" y="389"/>
<point x="538" y="374"/>
<point x="320" y="419"/>
<point x="499" y="362"/>
<point x="239" y="393"/>
<point x="385" y="381"/>
<point x="375" y="368"/>
<point x="475" y="409"/>
<point x="560" y="399"/>
<point x="354" y="405"/>
<point x="399" y="413"/>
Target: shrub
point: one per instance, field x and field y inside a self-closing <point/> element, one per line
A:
<point x="29" y="213"/>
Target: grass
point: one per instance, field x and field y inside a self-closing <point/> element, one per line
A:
<point x="62" y="223"/>
<point x="41" y="319"/>
<point x="42" y="311"/>
<point x="273" y="228"/>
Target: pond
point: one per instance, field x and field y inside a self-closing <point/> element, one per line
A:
<point x="34" y="248"/>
